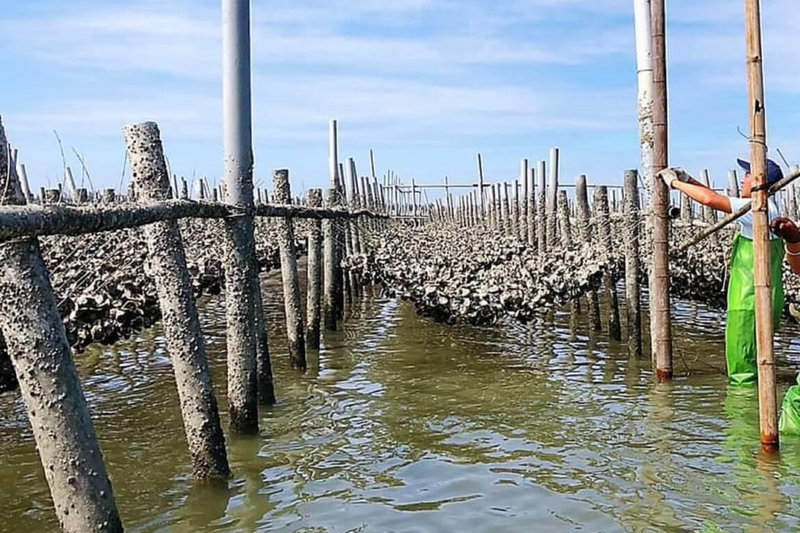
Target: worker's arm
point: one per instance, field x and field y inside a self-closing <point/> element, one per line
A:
<point x="788" y="231"/>
<point x="679" y="179"/>
<point x="703" y="195"/>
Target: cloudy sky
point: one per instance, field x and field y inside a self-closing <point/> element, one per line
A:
<point x="426" y="83"/>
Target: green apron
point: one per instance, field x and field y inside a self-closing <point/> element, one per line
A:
<point x="740" y="328"/>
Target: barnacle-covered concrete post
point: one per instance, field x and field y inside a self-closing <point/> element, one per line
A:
<point x="241" y="273"/>
<point x="291" y="282"/>
<point x="330" y="278"/>
<point x="604" y="232"/>
<point x="585" y="229"/>
<point x="314" y="270"/>
<point x="48" y="381"/>
<point x="167" y="268"/>
<point x="633" y="299"/>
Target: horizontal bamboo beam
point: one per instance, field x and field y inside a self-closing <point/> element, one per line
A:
<point x="736" y="215"/>
<point x="35" y="221"/>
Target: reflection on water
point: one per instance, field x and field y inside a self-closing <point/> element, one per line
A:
<point x="402" y="424"/>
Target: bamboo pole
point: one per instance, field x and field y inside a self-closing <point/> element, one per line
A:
<point x="185" y="342"/>
<point x="563" y="215"/>
<point x="329" y="309"/>
<point x="660" y="319"/>
<point x="767" y="395"/>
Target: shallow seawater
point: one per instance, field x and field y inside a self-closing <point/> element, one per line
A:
<point x="403" y="424"/>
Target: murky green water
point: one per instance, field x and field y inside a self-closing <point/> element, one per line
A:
<point x="402" y="424"/>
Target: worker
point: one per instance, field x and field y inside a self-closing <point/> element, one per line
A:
<point x="740" y="326"/>
<point x="789" y="422"/>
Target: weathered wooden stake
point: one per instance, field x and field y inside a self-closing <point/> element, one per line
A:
<point x="523" y="206"/>
<point x="633" y="299"/>
<point x="59" y="418"/>
<point x="167" y="268"/>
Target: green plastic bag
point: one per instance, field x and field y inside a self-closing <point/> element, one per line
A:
<point x="740" y="326"/>
<point x="789" y="422"/>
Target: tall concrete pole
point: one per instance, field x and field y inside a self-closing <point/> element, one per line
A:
<point x="239" y="255"/>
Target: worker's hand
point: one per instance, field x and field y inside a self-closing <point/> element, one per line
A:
<point x="785" y="229"/>
<point x="671" y="175"/>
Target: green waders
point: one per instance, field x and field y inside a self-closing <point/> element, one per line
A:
<point x="740" y="328"/>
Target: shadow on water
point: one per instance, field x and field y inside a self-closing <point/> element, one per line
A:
<point x="402" y="424"/>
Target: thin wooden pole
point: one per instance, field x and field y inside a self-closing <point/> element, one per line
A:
<point x="767" y="395"/>
<point x="530" y="180"/>
<point x="660" y="319"/>
<point x="601" y="209"/>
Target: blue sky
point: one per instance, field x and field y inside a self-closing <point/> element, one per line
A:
<point x="426" y="83"/>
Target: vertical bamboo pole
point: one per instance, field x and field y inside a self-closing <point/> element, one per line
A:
<point x="633" y="309"/>
<point x="660" y="319"/>
<point x="493" y="208"/>
<point x="733" y="184"/>
<point x="291" y="283"/>
<point x="767" y="396"/>
<point x="26" y="188"/>
<point x="355" y="202"/>
<point x="523" y="205"/>
<point x="507" y="224"/>
<point x="644" y="69"/>
<point x="239" y="255"/>
<point x="48" y="381"/>
<point x="181" y="321"/>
